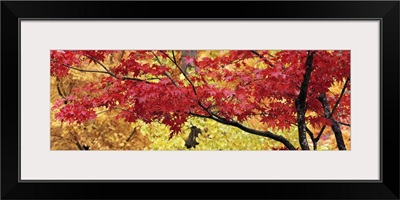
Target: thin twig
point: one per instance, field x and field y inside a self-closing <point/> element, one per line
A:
<point x="268" y="62"/>
<point x="180" y="69"/>
<point x="98" y="113"/>
<point x="101" y="64"/>
<point x="165" y="73"/>
<point x="135" y="79"/>
<point x="320" y="133"/>
<point x="81" y="70"/>
<point x="340" y="97"/>
<point x="173" y="56"/>
<point x="158" y="60"/>
<point x="130" y="136"/>
<point x="344" y="124"/>
<point x="170" y="78"/>
<point x="103" y="72"/>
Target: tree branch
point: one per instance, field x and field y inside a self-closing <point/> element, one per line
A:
<point x="130" y="136"/>
<point x="173" y="56"/>
<point x="170" y="78"/>
<point x="320" y="133"/>
<point x="101" y="64"/>
<point x="165" y="73"/>
<point x="267" y="134"/>
<point x="340" y="97"/>
<point x="135" y="79"/>
<point x="158" y="60"/>
<point x="103" y="111"/>
<point x="335" y="125"/>
<point x="333" y="110"/>
<point x="344" y="124"/>
<point x="81" y="70"/>
<point x="103" y="72"/>
<point x="257" y="54"/>
<point x="311" y="134"/>
<point x="180" y="69"/>
<point x="187" y="78"/>
<point x="77" y="143"/>
<point x="59" y="90"/>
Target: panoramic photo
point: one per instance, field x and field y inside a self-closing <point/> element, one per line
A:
<point x="210" y="100"/>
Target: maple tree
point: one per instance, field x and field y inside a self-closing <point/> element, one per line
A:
<point x="265" y="93"/>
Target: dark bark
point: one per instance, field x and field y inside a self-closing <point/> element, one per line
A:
<point x="80" y="147"/>
<point x="261" y="133"/>
<point x="301" y="106"/>
<point x="191" y="141"/>
<point x="267" y="134"/>
<point x="341" y="95"/>
<point x="267" y="61"/>
<point x="335" y="125"/>
<point x="344" y="124"/>
<point x="62" y="90"/>
<point x="320" y="133"/>
<point x="311" y="134"/>
<point x="130" y="136"/>
<point x="225" y="121"/>
<point x="333" y="111"/>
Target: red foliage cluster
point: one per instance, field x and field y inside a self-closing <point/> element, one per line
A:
<point x="268" y="92"/>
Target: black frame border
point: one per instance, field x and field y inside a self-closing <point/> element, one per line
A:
<point x="385" y="11"/>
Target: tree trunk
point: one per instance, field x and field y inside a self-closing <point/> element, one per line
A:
<point x="335" y="125"/>
<point x="185" y="63"/>
<point x="300" y="102"/>
<point x="191" y="141"/>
